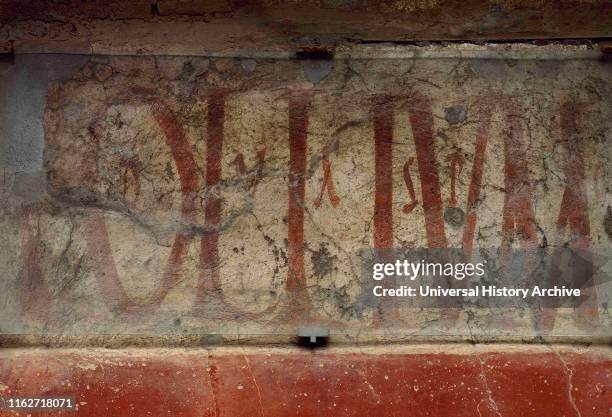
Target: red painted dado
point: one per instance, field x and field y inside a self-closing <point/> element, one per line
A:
<point x="336" y="382"/>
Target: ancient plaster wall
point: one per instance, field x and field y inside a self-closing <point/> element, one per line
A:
<point x="189" y="195"/>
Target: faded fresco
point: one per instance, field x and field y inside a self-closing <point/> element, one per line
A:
<point x="181" y="195"/>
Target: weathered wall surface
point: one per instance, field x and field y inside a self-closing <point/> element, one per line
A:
<point x="190" y="195"/>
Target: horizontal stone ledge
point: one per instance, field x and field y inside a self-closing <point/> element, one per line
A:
<point x="519" y="50"/>
<point x="337" y="340"/>
<point x="273" y="22"/>
<point x="460" y="381"/>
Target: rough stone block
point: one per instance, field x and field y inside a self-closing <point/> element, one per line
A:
<point x="192" y="7"/>
<point x="49" y="10"/>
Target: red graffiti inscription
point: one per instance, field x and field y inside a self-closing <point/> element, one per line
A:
<point x="328" y="184"/>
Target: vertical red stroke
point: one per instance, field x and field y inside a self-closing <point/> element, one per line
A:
<point x="456" y="162"/>
<point x="482" y="137"/>
<point x="383" y="115"/>
<point x="518" y="214"/>
<point x="421" y="120"/>
<point x="408" y="207"/>
<point x="383" y="170"/>
<point x="298" y="133"/>
<point x="261" y="161"/>
<point x="574" y="210"/>
<point x="212" y="210"/>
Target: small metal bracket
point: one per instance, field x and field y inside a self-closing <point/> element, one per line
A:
<point x="313" y="335"/>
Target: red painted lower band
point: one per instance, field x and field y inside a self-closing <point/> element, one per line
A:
<point x="271" y="383"/>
